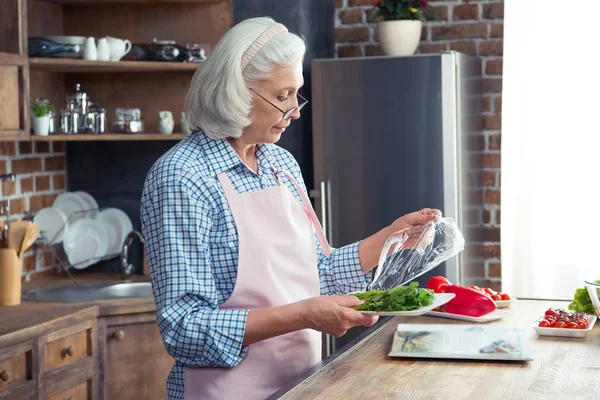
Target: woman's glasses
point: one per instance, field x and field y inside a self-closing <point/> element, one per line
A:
<point x="286" y="114"/>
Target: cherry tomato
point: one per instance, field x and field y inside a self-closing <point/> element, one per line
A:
<point x="572" y="325"/>
<point x="505" y="296"/>
<point x="496" y="297"/>
<point x="544" y="324"/>
<point x="489" y="291"/>
<point x="582" y="323"/>
<point x="560" y="324"/>
<point x="552" y="312"/>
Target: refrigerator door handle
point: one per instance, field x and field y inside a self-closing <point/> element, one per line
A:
<point x="324" y="214"/>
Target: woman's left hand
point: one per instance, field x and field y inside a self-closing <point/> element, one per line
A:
<point x="421" y="217"/>
<point x="420" y="234"/>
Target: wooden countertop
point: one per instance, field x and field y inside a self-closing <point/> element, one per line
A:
<point x="33" y="317"/>
<point x="562" y="368"/>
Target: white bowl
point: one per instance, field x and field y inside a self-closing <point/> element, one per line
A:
<point x="593" y="289"/>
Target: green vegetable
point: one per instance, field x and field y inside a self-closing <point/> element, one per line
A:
<point x="401" y="298"/>
<point x="582" y="302"/>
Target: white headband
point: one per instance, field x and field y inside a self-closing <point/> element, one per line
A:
<point x="260" y="41"/>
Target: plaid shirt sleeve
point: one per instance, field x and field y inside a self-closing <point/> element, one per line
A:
<point x="176" y="224"/>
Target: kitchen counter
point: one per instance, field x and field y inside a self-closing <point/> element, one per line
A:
<point x="33" y="317"/>
<point x="121" y="306"/>
<point x="563" y="368"/>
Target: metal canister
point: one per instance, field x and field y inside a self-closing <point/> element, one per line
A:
<point x="101" y="121"/>
<point x="51" y="123"/>
<point x="75" y="121"/>
<point x="65" y="122"/>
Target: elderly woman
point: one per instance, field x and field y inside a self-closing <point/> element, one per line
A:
<point x="243" y="277"/>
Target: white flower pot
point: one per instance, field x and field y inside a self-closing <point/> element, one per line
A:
<point x="399" y="38"/>
<point x="41" y="125"/>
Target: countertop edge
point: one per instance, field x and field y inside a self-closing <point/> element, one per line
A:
<point x="38" y="329"/>
<point x="345" y="350"/>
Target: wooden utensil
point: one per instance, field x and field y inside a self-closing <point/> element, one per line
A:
<point x="10" y="278"/>
<point x="16" y="233"/>
<point x="31" y="234"/>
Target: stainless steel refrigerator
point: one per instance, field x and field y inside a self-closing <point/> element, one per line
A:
<point x="390" y="136"/>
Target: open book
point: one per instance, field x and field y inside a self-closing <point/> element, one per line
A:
<point x="477" y="342"/>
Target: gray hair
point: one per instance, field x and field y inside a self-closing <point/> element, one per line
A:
<point x="218" y="101"/>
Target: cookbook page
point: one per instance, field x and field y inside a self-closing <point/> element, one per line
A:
<point x="461" y="342"/>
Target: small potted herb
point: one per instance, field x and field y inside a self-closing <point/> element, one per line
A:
<point x="40" y="112"/>
<point x="399" y="24"/>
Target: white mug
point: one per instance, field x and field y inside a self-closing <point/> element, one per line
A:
<point x="90" y="52"/>
<point x="118" y="48"/>
<point x="103" y="50"/>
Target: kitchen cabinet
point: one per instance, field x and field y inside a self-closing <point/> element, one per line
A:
<point x="149" y="86"/>
<point x="14" y="71"/>
<point x="134" y="361"/>
<point x="51" y="360"/>
<point x="59" y="351"/>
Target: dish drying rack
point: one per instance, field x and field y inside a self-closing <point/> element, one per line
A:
<point x="59" y="255"/>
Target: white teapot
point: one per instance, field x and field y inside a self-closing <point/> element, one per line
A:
<point x="118" y="48"/>
<point x="165" y="122"/>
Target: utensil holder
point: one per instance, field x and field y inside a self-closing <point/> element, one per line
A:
<point x="10" y="278"/>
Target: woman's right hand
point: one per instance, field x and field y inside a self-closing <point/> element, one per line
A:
<point x="333" y="315"/>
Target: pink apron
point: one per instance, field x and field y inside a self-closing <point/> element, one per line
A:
<point x="277" y="265"/>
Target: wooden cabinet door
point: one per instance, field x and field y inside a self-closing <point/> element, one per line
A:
<point x="14" y="71"/>
<point x="137" y="363"/>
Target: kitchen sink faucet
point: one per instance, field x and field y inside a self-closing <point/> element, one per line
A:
<point x="127" y="268"/>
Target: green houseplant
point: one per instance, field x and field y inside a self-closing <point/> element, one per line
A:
<point x="399" y="30"/>
<point x="40" y="112"/>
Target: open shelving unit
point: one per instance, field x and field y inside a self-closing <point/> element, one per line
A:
<point x="66" y="65"/>
<point x="149" y="86"/>
<point x="119" y="137"/>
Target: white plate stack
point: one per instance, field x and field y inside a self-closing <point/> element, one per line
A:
<point x="87" y="234"/>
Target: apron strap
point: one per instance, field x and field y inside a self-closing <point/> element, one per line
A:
<point x="309" y="211"/>
<point x="226" y="185"/>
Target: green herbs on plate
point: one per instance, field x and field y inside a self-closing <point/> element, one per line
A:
<point x="401" y="298"/>
<point x="582" y="302"/>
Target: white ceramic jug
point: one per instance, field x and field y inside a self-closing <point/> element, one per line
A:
<point x="103" y="50"/>
<point x="165" y="122"/>
<point x="118" y="47"/>
<point x="185" y="127"/>
<point x="90" y="52"/>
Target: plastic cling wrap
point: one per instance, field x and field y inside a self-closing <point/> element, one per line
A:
<point x="411" y="252"/>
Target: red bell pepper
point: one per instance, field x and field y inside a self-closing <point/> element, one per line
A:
<point x="468" y="302"/>
<point x="437" y="283"/>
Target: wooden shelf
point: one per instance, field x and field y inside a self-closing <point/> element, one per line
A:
<point x="108" y="137"/>
<point x="69" y="65"/>
<point x="130" y="1"/>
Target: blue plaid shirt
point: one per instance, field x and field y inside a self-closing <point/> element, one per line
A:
<point x="191" y="246"/>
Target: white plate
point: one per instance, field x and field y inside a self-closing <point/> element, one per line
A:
<point x="53" y="224"/>
<point x="439" y="300"/>
<point x="493" y="316"/>
<point x="564" y="332"/>
<point x="85" y="243"/>
<point x="70" y="204"/>
<point x="118" y="226"/>
<point x="90" y="202"/>
<point x="504" y="303"/>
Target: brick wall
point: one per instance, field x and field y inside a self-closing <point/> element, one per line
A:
<point x="40" y="171"/>
<point x="472" y="27"/>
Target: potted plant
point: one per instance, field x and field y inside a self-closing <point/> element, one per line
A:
<point x="400" y="31"/>
<point x="41" y="110"/>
